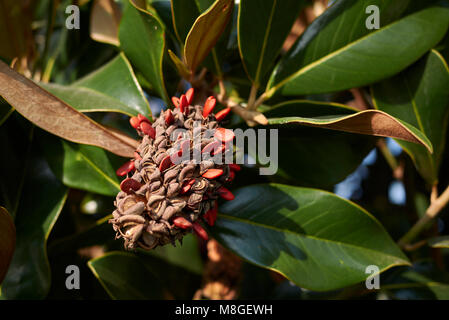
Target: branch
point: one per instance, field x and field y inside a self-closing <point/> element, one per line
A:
<point x="434" y="209"/>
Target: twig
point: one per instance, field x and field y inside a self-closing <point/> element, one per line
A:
<point x="360" y="99"/>
<point x="434" y="193"/>
<point x="252" y="97"/>
<point x="435" y="207"/>
<point x="391" y="160"/>
<point x="251" y="117"/>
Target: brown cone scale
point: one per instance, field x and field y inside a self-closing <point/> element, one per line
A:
<point x="163" y="199"/>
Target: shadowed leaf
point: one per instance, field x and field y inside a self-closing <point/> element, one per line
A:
<point x="420" y="96"/>
<point x="314" y="238"/>
<point x="142" y="39"/>
<point x="7" y="240"/>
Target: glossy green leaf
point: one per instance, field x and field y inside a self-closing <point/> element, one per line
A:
<point x="314" y="238"/>
<point x="8" y="241"/>
<point x="141" y="36"/>
<point x="263" y="26"/>
<point x="360" y="57"/>
<point x="184" y="14"/>
<point x="82" y="167"/>
<point x="41" y="203"/>
<point x="439" y="242"/>
<point x="299" y="147"/>
<point x="369" y="122"/>
<point x="420" y="96"/>
<point x="125" y="277"/>
<point x="206" y="31"/>
<point x="112" y="88"/>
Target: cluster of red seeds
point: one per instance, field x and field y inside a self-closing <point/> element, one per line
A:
<point x="162" y="199"/>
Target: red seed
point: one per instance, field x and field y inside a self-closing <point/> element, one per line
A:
<point x="141" y="118"/>
<point x="211" y="146"/>
<point x="224" y="135"/>
<point x="134" y="121"/>
<point x="175" y="101"/>
<point x="130" y="184"/>
<point x="220" y="115"/>
<point x="212" y="173"/>
<point x="125" y="168"/>
<point x="165" y="164"/>
<point x="219" y="150"/>
<point x="183" y="103"/>
<point x="211" y="215"/>
<point x="148" y="129"/>
<point x="186" y="186"/>
<point x="225" y="193"/>
<point x="209" y="106"/>
<point x="234" y="167"/>
<point x="137" y="155"/>
<point x="189" y="95"/>
<point x="168" y="117"/>
<point x="182" y="223"/>
<point x="200" y="232"/>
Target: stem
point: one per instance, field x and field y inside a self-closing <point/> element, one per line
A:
<point x="252" y="97"/>
<point x="359" y="98"/>
<point x="434" y="193"/>
<point x="392" y="162"/>
<point x="435" y="207"/>
<point x="259" y="101"/>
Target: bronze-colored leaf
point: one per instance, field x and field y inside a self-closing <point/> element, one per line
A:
<point x="104" y="22"/>
<point x="206" y="31"/>
<point x="51" y="114"/>
<point x="369" y="122"/>
<point x="7" y="241"/>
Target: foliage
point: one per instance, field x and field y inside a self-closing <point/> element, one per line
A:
<point x="336" y="93"/>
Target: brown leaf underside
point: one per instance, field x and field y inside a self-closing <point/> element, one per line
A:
<point x="51" y="114"/>
<point x="369" y="122"/>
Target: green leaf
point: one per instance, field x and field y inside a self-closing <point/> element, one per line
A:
<point x="439" y="242"/>
<point x="206" y="31"/>
<point x="263" y="26"/>
<point x="364" y="58"/>
<point x="180" y="66"/>
<point x="184" y="14"/>
<point x="112" y="88"/>
<point x="420" y="96"/>
<point x="411" y="285"/>
<point x="369" y="122"/>
<point x="82" y="167"/>
<point x="301" y="146"/>
<point x="186" y="256"/>
<point x="41" y="203"/>
<point x="125" y="277"/>
<point x="8" y="241"/>
<point x="141" y="36"/>
<point x="314" y="238"/>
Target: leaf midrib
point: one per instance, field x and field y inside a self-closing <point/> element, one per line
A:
<point x="309" y="236"/>
<point x="332" y="54"/>
<point x="96" y="168"/>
